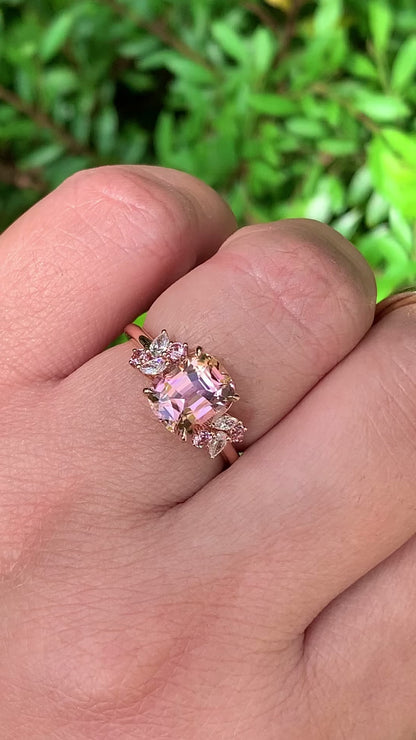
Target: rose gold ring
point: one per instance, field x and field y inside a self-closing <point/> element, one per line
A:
<point x="191" y="392"/>
<point x="397" y="300"/>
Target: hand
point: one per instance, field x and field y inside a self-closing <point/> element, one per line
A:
<point x="144" y="592"/>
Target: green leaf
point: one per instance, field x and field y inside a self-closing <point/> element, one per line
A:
<point x="264" y="49"/>
<point x="348" y="223"/>
<point x="230" y="42"/>
<point x="184" y="68"/>
<point x="404" y="66"/>
<point x="380" y="245"/>
<point x="164" y="137"/>
<point x="106" y="125"/>
<point x="392" y="162"/>
<point x="403" y="144"/>
<point x="55" y="35"/>
<point x="395" y="277"/>
<point x="338" y="147"/>
<point x="380" y="18"/>
<point x="306" y="129"/>
<point x="360" y="187"/>
<point x="327" y="16"/>
<point x="360" y="65"/>
<point x="59" y="81"/>
<point x="41" y="156"/>
<point x="401" y="228"/>
<point x="319" y="208"/>
<point x="273" y="105"/>
<point x="376" y="211"/>
<point x="383" y="108"/>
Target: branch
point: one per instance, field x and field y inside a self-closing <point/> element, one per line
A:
<point x="42" y="120"/>
<point x="325" y="91"/>
<point x="289" y="29"/>
<point x="21" y="179"/>
<point x="263" y="15"/>
<point x="160" y="29"/>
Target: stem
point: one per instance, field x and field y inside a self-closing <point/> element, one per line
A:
<point x="42" y="120"/>
<point x="321" y="89"/>
<point x="160" y="29"/>
<point x="21" y="179"/>
<point x="289" y="30"/>
<point x="263" y="15"/>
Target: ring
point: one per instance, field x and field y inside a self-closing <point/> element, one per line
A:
<point x="397" y="300"/>
<point x="191" y="392"/>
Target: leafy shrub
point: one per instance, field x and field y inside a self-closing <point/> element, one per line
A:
<point x="288" y="108"/>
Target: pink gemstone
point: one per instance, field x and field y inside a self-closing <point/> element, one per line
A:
<point x="202" y="438"/>
<point x="177" y="351"/>
<point x="237" y="434"/>
<point x="138" y="356"/>
<point x="192" y="395"/>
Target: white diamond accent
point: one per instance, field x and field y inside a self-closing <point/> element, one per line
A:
<point x="225" y="422"/>
<point x="217" y="443"/>
<point x="154" y="366"/>
<point x="159" y="344"/>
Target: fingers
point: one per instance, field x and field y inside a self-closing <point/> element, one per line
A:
<point x="330" y="492"/>
<point x="374" y="623"/>
<point x="278" y="304"/>
<point x="94" y="254"/>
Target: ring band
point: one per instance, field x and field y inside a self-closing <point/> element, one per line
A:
<point x="397" y="300"/>
<point x="191" y="393"/>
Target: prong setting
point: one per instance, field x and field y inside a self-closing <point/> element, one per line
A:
<point x="191" y="392"/>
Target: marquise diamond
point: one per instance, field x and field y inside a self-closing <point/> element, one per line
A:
<point x="217" y="443"/>
<point x="159" y="344"/>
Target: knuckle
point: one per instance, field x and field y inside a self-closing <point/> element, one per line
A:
<point x="131" y="195"/>
<point x="299" y="265"/>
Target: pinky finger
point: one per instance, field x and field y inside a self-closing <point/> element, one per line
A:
<point x="362" y="650"/>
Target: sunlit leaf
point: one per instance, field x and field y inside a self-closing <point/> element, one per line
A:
<point x="393" y="169"/>
<point x="376" y="211"/>
<point x="273" y="105"/>
<point x="403" y="71"/>
<point x="401" y="228"/>
<point x="360" y="187"/>
<point x="56" y="35"/>
<point x="380" y="19"/>
<point x="263" y="49"/>
<point x="230" y="41"/>
<point x="383" y="108"/>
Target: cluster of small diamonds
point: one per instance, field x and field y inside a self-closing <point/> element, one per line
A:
<point x="159" y="355"/>
<point x="218" y="432"/>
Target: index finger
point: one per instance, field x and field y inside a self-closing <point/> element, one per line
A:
<point x="94" y="254"/>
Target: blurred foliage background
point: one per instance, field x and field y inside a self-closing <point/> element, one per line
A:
<point x="286" y="107"/>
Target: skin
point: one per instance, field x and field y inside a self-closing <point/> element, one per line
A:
<point x="145" y="592"/>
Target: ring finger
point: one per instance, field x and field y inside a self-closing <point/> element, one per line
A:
<point x="279" y="304"/>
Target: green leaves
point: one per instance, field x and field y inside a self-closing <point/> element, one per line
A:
<point x="230" y="42"/>
<point x="318" y="122"/>
<point x="403" y="71"/>
<point x="380" y="17"/>
<point x="273" y="105"/>
<point x="383" y="108"/>
<point x="392" y="160"/>
<point x="55" y="35"/>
